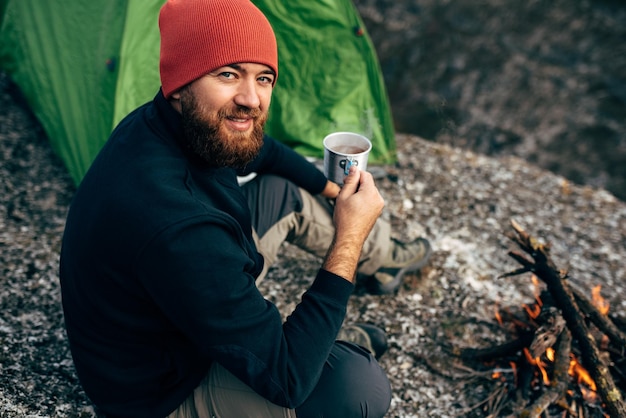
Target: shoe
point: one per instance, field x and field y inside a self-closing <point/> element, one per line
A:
<point x="403" y="258"/>
<point x="370" y="337"/>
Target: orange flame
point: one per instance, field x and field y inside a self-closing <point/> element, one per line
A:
<point x="534" y="311"/>
<point x="580" y="373"/>
<point x="540" y="365"/>
<point x="598" y="301"/>
<point x="537" y="291"/>
<point x="497" y="314"/>
<point x="514" y="368"/>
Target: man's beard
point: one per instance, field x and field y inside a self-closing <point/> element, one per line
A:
<point x="206" y="136"/>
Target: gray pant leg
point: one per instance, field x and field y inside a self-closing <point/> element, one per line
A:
<point x="352" y="384"/>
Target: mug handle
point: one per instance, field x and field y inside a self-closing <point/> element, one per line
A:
<point x="346" y="164"/>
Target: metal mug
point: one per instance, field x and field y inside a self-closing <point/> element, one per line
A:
<point x="342" y="150"/>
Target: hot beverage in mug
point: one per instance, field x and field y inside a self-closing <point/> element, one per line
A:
<point x="342" y="150"/>
<point x="349" y="149"/>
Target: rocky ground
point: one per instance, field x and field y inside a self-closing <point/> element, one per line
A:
<point x="544" y="80"/>
<point x="500" y="88"/>
<point x="462" y="201"/>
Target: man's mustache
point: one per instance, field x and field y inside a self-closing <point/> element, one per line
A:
<point x="241" y="112"/>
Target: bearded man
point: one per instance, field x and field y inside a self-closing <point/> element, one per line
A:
<point x="163" y="248"/>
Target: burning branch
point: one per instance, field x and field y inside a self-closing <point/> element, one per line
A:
<point x="600" y="319"/>
<point x="502" y="350"/>
<point x="556" y="281"/>
<point x="559" y="383"/>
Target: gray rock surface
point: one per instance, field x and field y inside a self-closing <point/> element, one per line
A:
<point x="462" y="201"/>
<point x="541" y="80"/>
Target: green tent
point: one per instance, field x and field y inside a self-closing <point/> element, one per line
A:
<point x="83" y="65"/>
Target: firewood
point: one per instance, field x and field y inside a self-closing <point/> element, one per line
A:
<point x="547" y="334"/>
<point x="619" y="321"/>
<point x="603" y="322"/>
<point x="557" y="285"/>
<point x="525" y="375"/>
<point x="508" y="348"/>
<point x="560" y="379"/>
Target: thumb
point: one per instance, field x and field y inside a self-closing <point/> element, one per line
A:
<point x="351" y="182"/>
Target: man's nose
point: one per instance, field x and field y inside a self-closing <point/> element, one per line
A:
<point x="247" y="94"/>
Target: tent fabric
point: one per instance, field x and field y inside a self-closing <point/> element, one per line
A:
<point x="57" y="54"/>
<point x="82" y="65"/>
<point x="329" y="77"/>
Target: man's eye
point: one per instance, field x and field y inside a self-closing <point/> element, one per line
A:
<point x="265" y="79"/>
<point x="227" y="74"/>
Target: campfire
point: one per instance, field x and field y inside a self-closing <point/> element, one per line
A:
<point x="566" y="357"/>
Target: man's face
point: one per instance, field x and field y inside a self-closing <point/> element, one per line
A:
<point x="224" y="113"/>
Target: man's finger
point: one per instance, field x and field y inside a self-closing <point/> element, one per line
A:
<point x="351" y="182"/>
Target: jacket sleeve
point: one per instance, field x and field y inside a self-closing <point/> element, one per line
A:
<point x="206" y="291"/>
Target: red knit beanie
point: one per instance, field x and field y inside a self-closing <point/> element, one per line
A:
<point x="198" y="36"/>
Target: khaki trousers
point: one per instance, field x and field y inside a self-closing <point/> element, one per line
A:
<point x="222" y="395"/>
<point x="307" y="224"/>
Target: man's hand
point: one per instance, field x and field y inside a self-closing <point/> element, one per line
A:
<point x="331" y="190"/>
<point x="357" y="207"/>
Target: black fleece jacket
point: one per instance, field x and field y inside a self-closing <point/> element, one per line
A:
<point x="158" y="271"/>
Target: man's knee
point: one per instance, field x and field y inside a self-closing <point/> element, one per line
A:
<point x="352" y="385"/>
<point x="270" y="199"/>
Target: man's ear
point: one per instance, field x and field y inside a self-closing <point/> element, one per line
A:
<point x="174" y="100"/>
